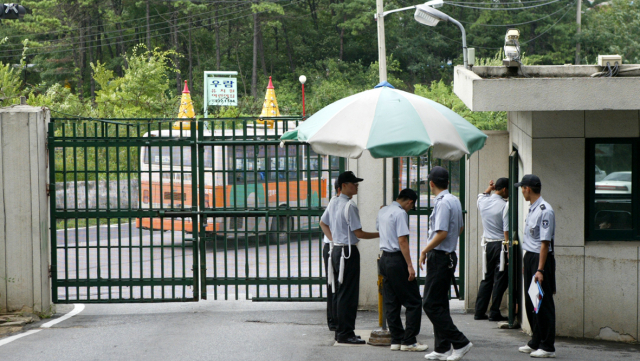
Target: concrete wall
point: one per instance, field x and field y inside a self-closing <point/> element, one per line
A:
<point x="491" y="162"/>
<point x="118" y="192"/>
<point x="597" y="282"/>
<point x="24" y="210"/>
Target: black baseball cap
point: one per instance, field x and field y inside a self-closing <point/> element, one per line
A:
<point x="501" y="183"/>
<point x="348" y="177"/>
<point x="529" y="180"/>
<point x="439" y="173"/>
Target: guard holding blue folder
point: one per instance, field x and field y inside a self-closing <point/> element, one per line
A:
<point x="539" y="264"/>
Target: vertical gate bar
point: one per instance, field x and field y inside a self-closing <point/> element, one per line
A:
<point x="141" y="154"/>
<point x="53" y="227"/>
<point x="65" y="222"/>
<point x="288" y="179"/>
<point x="108" y="204"/>
<point x="75" y="182"/>
<point x="97" y="135"/>
<point x="197" y="180"/>
<point x="118" y="220"/>
<point x="463" y="240"/>
<point x="129" y="191"/>
<point x="256" y="151"/>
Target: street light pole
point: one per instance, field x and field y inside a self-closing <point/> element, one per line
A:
<point x="382" y="50"/>
<point x="303" y="79"/>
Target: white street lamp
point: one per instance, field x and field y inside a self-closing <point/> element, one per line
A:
<point x="303" y="79"/>
<point x="427" y="15"/>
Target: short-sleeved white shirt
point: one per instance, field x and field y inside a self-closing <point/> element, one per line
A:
<point x="392" y="223"/>
<point x="342" y="232"/>
<point x="494" y="211"/>
<point x="446" y="216"/>
<point x="325" y="239"/>
<point x="540" y="225"/>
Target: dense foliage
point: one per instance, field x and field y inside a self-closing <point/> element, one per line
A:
<point x="129" y="57"/>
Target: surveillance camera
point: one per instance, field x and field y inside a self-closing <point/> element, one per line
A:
<point x="511" y="48"/>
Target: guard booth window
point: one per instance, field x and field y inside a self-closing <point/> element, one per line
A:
<point x="612" y="203"/>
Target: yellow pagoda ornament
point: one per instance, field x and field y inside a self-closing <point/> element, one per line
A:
<point x="270" y="106"/>
<point x="186" y="110"/>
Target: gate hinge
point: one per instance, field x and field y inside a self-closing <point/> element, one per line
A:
<point x="48" y="190"/>
<point x="49" y="271"/>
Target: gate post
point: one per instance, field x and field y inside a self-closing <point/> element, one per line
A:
<point x="24" y="210"/>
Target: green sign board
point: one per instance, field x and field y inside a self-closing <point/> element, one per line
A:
<point x="220" y="88"/>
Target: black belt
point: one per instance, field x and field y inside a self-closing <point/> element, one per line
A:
<point x="443" y="252"/>
<point x="389" y="254"/>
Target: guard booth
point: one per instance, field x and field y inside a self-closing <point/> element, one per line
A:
<point x="585" y="150"/>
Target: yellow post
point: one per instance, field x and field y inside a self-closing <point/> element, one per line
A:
<point x="270" y="106"/>
<point x="186" y="110"/>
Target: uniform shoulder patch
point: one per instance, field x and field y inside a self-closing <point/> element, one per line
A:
<point x="545" y="223"/>
<point x="542" y="206"/>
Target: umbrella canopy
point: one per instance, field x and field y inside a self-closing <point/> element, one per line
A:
<point x="388" y="123"/>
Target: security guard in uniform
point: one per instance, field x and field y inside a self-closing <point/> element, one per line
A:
<point x="539" y="263"/>
<point x="332" y="318"/>
<point x="342" y="226"/>
<point x="400" y="286"/>
<point x="494" y="211"/>
<point x="445" y="225"/>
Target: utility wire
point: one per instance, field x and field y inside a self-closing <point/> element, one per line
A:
<point x="516" y="24"/>
<point x="69" y="38"/>
<point x="503" y="9"/>
<point x="240" y="2"/>
<point x="549" y="28"/>
<point x="495" y="48"/>
<point x="484" y="3"/>
<point x="135" y="40"/>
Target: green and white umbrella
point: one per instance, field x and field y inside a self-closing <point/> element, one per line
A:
<point x="388" y="123"/>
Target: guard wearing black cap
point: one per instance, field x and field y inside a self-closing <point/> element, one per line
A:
<point x="342" y="226"/>
<point x="494" y="211"/>
<point x="332" y="318"/>
<point x="400" y="285"/>
<point x="445" y="225"/>
<point x="539" y="264"/>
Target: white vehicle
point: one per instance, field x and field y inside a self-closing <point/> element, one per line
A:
<point x="237" y="177"/>
<point x="615" y="183"/>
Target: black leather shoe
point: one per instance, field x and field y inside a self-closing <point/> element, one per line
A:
<point x="480" y="317"/>
<point x="332" y="328"/>
<point x="353" y="341"/>
<point x="498" y="318"/>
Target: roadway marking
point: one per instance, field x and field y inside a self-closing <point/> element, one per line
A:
<point x="79" y="307"/>
<point x="76" y="310"/>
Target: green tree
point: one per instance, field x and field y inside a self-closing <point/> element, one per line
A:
<point x="10" y="84"/>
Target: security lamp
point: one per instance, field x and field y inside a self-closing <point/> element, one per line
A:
<point x="426" y="15"/>
<point x="512" y="48"/>
<point x="303" y="79"/>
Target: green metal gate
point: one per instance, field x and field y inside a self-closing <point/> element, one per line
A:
<point x="514" y="246"/>
<point x="260" y="235"/>
<point x="111" y="241"/>
<point x="412" y="173"/>
<point x="143" y="210"/>
<point x="157" y="210"/>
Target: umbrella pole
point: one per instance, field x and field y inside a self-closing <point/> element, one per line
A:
<point x="384" y="181"/>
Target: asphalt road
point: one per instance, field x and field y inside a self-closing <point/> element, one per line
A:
<point x="123" y="252"/>
<point x="242" y="330"/>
